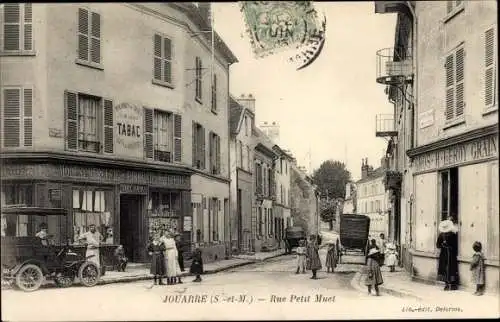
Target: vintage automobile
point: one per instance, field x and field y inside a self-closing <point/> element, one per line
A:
<point x="292" y="236"/>
<point x="28" y="261"/>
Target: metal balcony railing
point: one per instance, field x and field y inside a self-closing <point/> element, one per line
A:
<point x="394" y="65"/>
<point x="385" y="126"/>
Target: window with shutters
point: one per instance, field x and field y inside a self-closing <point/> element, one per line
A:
<point x="455" y="85"/>
<point x="163" y="136"/>
<point x="17" y="29"/>
<point x="214" y="153"/>
<point x="162" y="60"/>
<point x="198" y="79"/>
<point x="89" y="123"/>
<point x="214" y="93"/>
<point x="17" y="117"/>
<point x="490" y="72"/>
<point x="261" y="222"/>
<point x="249" y="165"/>
<point x="89" y="38"/>
<point x="453" y="7"/>
<point x="258" y="178"/>
<point x="198" y="146"/>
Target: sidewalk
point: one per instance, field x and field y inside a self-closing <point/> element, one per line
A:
<point x="141" y="272"/>
<point x="400" y="284"/>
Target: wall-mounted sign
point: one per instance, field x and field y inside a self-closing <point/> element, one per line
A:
<point x="475" y="150"/>
<point x="426" y="119"/>
<point x="128" y="130"/>
<point x="188" y="224"/>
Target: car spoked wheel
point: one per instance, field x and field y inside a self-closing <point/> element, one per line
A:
<point x="88" y="274"/>
<point x="29" y="278"/>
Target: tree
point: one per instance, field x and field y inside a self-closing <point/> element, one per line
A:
<point x="331" y="178"/>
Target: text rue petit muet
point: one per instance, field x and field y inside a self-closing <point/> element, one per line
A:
<point x="293" y="298"/>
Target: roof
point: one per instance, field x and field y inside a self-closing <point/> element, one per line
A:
<point x="375" y="174"/>
<point x="235" y="113"/>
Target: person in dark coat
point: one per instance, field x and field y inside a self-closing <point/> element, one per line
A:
<point x="331" y="258"/>
<point x="478" y="268"/>
<point x="374" y="275"/>
<point x="180" y="247"/>
<point x="447" y="242"/>
<point x="197" y="265"/>
<point x="313" y="260"/>
<point x="156" y="249"/>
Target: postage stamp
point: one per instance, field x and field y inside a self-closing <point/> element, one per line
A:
<point x="277" y="26"/>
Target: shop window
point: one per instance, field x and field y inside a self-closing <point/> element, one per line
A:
<point x="92" y="207"/>
<point x="449" y="193"/>
<point x="17" y="194"/>
<point x="15" y="226"/>
<point x="164" y="211"/>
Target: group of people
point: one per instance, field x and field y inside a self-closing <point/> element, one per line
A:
<point x="308" y="256"/>
<point x="167" y="260"/>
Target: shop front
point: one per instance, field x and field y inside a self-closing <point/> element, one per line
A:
<point x="457" y="177"/>
<point x="127" y="203"/>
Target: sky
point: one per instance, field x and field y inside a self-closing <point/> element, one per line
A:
<point x="328" y="109"/>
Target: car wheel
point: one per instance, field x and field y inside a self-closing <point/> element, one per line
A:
<point x="29" y="278"/>
<point x="88" y="274"/>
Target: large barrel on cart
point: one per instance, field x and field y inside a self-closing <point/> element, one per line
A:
<point x="354" y="230"/>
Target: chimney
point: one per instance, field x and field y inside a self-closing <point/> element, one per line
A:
<point x="247" y="102"/>
<point x="364" y="168"/>
<point x="206" y="12"/>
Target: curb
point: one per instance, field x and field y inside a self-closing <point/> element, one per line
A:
<point x="356" y="284"/>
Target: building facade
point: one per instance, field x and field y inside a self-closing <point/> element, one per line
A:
<point x="115" y="146"/>
<point x="283" y="217"/>
<point x="453" y="154"/>
<point x="350" y="200"/>
<point x="242" y="180"/>
<point x="304" y="200"/>
<point x="372" y="199"/>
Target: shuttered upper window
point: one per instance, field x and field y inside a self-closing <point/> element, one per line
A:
<point x="89" y="123"/>
<point x="198" y="79"/>
<point x="17" y="117"/>
<point x="162" y="135"/>
<point x="17" y="27"/>
<point x="199" y="150"/>
<point x="214" y="148"/>
<point x="214" y="93"/>
<point x="455" y="84"/>
<point x="162" y="59"/>
<point x="453" y="7"/>
<point x="490" y="79"/>
<point x="89" y="37"/>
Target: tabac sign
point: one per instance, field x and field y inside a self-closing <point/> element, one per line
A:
<point x="476" y="150"/>
<point x="128" y="128"/>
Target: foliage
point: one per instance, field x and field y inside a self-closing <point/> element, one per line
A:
<point x="331" y="178"/>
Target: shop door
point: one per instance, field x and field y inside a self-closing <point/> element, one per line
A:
<point x="130" y="226"/>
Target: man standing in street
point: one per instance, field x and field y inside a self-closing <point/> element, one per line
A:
<point x="93" y="239"/>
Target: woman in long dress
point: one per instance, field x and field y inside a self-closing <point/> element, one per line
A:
<point x="447" y="242"/>
<point x="172" y="264"/>
<point x="313" y="260"/>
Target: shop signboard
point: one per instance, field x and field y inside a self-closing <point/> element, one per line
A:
<point x="128" y="129"/>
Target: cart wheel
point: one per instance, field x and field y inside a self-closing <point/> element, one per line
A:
<point x="64" y="281"/>
<point x="88" y="274"/>
<point x="29" y="278"/>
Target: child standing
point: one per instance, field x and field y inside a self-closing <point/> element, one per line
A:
<point x="120" y="258"/>
<point x="197" y="265"/>
<point x="478" y="268"/>
<point x="374" y="275"/>
<point x="331" y="258"/>
<point x="156" y="250"/>
<point x="391" y="257"/>
<point x="301" y="257"/>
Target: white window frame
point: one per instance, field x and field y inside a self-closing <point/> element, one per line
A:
<point x="169" y="147"/>
<point x="494" y="104"/>
<point x="22" y="118"/>
<point x="88" y="62"/>
<point x="99" y="122"/>
<point x="163" y="59"/>
<point x="22" y="25"/>
<point x="456" y="6"/>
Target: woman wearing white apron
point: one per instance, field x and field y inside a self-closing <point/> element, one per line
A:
<point x="172" y="265"/>
<point x="93" y="238"/>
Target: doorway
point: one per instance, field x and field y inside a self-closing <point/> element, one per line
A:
<point x="130" y="226"/>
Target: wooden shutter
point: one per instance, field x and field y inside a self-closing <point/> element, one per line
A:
<point x="177" y="138"/>
<point x="12" y="117"/>
<point x="214" y="93"/>
<point x="211" y="153"/>
<point x="71" y="104"/>
<point x="217" y="155"/>
<point x="450" y="89"/>
<point x="28" y="116"/>
<point x="449" y="6"/>
<point x="167" y="60"/>
<point x="194" y="135"/>
<point x="460" y="80"/>
<point x="148" y="133"/>
<point x="157" y="52"/>
<point x="108" y="126"/>
<point x="203" y="153"/>
<point x="28" y="26"/>
<point x="83" y="34"/>
<point x="489" y="64"/>
<point x="95" y="42"/>
<point x="12" y="26"/>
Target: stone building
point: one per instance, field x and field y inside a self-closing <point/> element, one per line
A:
<point x="113" y="112"/>
<point x="304" y="200"/>
<point x="450" y="105"/>
<point x="282" y="204"/>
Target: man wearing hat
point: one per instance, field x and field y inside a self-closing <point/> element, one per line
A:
<point x="447" y="242"/>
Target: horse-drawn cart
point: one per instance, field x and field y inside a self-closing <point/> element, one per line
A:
<point x="354" y="231"/>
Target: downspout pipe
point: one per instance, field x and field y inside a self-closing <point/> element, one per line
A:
<point x="415" y="69"/>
